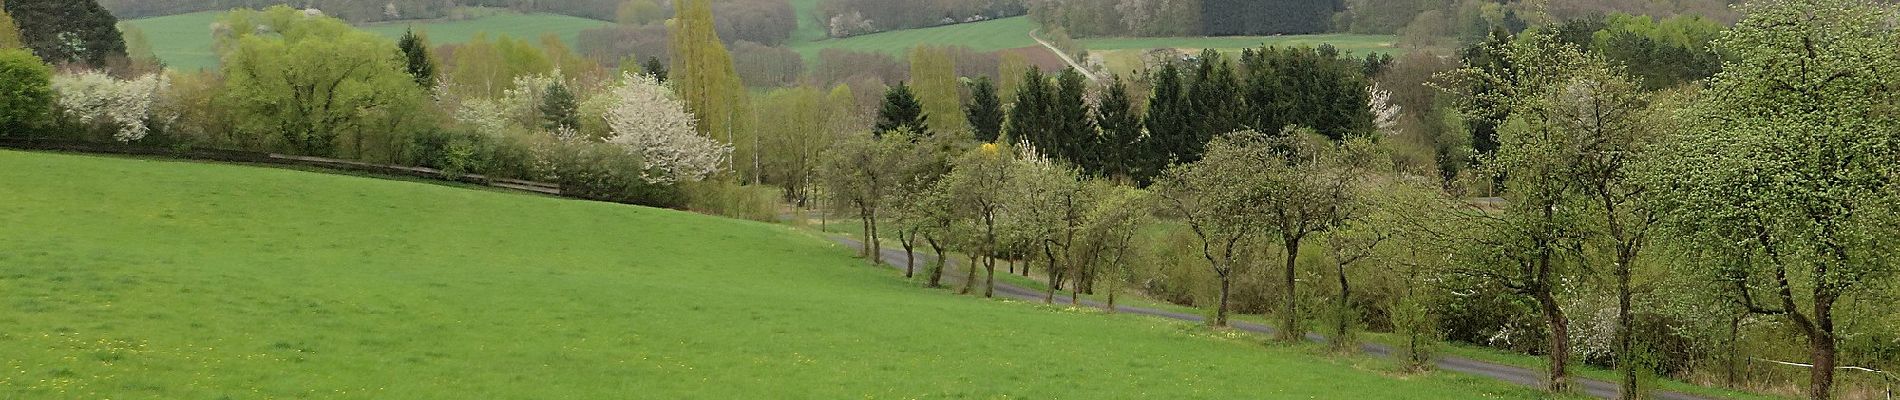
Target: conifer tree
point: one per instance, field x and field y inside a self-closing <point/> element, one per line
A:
<point x="1075" y="139"/>
<point x="1213" y="98"/>
<point x="559" y="108"/>
<point x="1170" y="135"/>
<point x="985" y="111"/>
<point x="421" y="64"/>
<point x="655" y="69"/>
<point x="1029" y="118"/>
<point x="901" y="111"/>
<point x="1122" y="143"/>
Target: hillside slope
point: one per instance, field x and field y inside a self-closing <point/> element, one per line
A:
<point x="138" y="278"/>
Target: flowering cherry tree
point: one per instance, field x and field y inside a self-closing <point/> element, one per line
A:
<point x="650" y="123"/>
<point x="94" y="97"/>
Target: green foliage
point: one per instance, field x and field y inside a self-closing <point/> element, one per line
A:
<point x="655" y="69"/>
<point x="1785" y="175"/>
<point x="1214" y="100"/>
<point x="559" y="109"/>
<point x="1029" y="115"/>
<point x="315" y="80"/>
<point x="985" y="112"/>
<point x="1124" y="150"/>
<point x="731" y="200"/>
<point x="68" y="31"/>
<point x="417" y="58"/>
<point x="702" y="71"/>
<point x="1171" y="137"/>
<point x="933" y="75"/>
<point x="1661" y="53"/>
<point x="901" y="111"/>
<point x="1073" y="136"/>
<point x="184" y="41"/>
<point x="1305" y="86"/>
<point x="9" y="32"/>
<point x="26" y="93"/>
<point x="1221" y="198"/>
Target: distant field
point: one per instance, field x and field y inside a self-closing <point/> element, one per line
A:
<point x="1006" y="33"/>
<point x="130" y="278"/>
<point x="184" y="41"/>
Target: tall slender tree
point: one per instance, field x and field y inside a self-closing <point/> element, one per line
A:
<point x="1122" y="142"/>
<point x="933" y="76"/>
<point x="1171" y="138"/>
<point x="1029" y="117"/>
<point x="702" y="70"/>
<point x="1213" y="98"/>
<point x="1074" y="138"/>
<point x="9" y="31"/>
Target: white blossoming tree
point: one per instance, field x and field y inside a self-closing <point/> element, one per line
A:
<point x="650" y="123"/>
<point x="97" y="98"/>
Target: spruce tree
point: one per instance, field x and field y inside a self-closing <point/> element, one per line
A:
<point x="1122" y="144"/>
<point x="901" y="110"/>
<point x="421" y="64"/>
<point x="656" y="69"/>
<point x="559" y="108"/>
<point x="1170" y="134"/>
<point x="1029" y="118"/>
<point x="68" y="31"/>
<point x="1075" y="139"/>
<point x="1214" y="101"/>
<point x="985" y="111"/>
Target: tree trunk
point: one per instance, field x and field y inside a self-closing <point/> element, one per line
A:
<point x="1290" y="320"/>
<point x="1625" y="339"/>
<point x="1220" y="310"/>
<point x="1734" y="376"/>
<point x="877" y="249"/>
<point x="969" y="278"/>
<point x="1049" y="294"/>
<point x="1822" y="349"/>
<point x="1559" y="340"/>
<point x="910" y="254"/>
<point x="989" y="268"/>
<point x="936" y="274"/>
<point x="1345" y="311"/>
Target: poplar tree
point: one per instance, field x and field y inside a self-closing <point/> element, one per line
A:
<point x="933" y="74"/>
<point x="985" y="111"/>
<point x="9" y="31"/>
<point x="702" y="71"/>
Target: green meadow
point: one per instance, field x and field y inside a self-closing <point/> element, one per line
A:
<point x="140" y="278"/>
<point x="184" y="41"/>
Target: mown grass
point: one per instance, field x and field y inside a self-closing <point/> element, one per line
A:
<point x="140" y="278"/>
<point x="184" y="41"/>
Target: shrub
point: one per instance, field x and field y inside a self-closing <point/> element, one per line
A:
<point x="26" y="93"/>
<point x="732" y="200"/>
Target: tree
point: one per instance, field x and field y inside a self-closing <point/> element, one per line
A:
<point x="1073" y="137"/>
<point x="1221" y="199"/>
<point x="1521" y="248"/>
<point x="126" y="106"/>
<point x="1050" y="201"/>
<point x="26" y="92"/>
<point x="1213" y="99"/>
<point x="649" y="122"/>
<point x="860" y="173"/>
<point x="1122" y="155"/>
<point x="655" y="69"/>
<point x="1171" y="138"/>
<point x="979" y="186"/>
<point x="68" y="31"/>
<point x="317" y="80"/>
<point x="933" y="74"/>
<point x="1786" y="172"/>
<point x="702" y="71"/>
<point x="1311" y="190"/>
<point x="559" y="109"/>
<point x="417" y="58"/>
<point x="9" y="31"/>
<point x="986" y="111"/>
<point x="1029" y="116"/>
<point x="901" y="111"/>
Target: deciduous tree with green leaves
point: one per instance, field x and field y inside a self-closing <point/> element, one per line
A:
<point x="933" y="76"/>
<point x="26" y="92"/>
<point x="1789" y="170"/>
<point x="1222" y="200"/>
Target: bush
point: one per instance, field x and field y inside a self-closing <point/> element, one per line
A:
<point x="600" y="171"/>
<point x="455" y="153"/>
<point x="26" y="93"/>
<point x="732" y="200"/>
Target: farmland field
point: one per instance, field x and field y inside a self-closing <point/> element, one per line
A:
<point x="184" y="41"/>
<point x="159" y="279"/>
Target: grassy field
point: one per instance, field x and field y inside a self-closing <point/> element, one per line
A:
<point x="184" y="41"/>
<point x="1006" y="33"/>
<point x="138" y="278"/>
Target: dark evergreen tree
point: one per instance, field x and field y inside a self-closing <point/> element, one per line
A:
<point x="1213" y="100"/>
<point x="1074" y="136"/>
<point x="559" y="108"/>
<point x="415" y="52"/>
<point x="1170" y="130"/>
<point x="69" y="31"/>
<point x="1122" y="143"/>
<point x="1314" y="87"/>
<point x="985" y="111"/>
<point x="655" y="69"/>
<point x="1029" y="117"/>
<point x="901" y="110"/>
